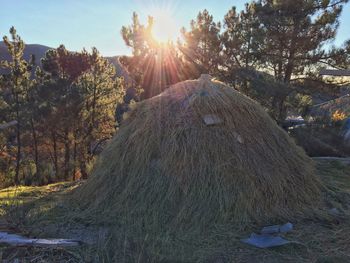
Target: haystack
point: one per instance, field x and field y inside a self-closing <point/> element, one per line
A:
<point x="197" y="156"/>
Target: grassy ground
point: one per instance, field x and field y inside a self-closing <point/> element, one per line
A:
<point x="25" y="194"/>
<point x="322" y="240"/>
<point x="16" y="204"/>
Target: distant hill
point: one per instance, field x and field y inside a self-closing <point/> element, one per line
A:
<point x="39" y="51"/>
<point x="30" y="49"/>
<point x="120" y="69"/>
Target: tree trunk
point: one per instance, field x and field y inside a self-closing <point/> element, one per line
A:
<point x="74" y="158"/>
<point x="55" y="158"/>
<point x="35" y="141"/>
<point x="66" y="157"/>
<point x="288" y="73"/>
<point x="18" y="155"/>
<point x="289" y="66"/>
<point x="282" y="114"/>
<point x="83" y="171"/>
<point x="19" y="143"/>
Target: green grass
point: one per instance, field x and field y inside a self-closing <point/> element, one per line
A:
<point x="30" y="193"/>
<point x="17" y="206"/>
<point x="21" y="195"/>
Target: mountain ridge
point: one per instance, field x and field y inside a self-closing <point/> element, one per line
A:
<point x="39" y="51"/>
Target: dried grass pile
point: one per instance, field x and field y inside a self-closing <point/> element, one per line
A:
<point x="200" y="156"/>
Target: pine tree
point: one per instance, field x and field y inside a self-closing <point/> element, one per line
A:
<point x="101" y="93"/>
<point x="153" y="66"/>
<point x="202" y="45"/>
<point x="243" y="39"/>
<point x="64" y="102"/>
<point x="339" y="57"/>
<point x="296" y="33"/>
<point x="15" y="87"/>
<point x="137" y="37"/>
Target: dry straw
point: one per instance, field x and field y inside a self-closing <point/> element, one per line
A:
<point x="197" y="157"/>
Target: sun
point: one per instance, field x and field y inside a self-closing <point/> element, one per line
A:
<point x="164" y="27"/>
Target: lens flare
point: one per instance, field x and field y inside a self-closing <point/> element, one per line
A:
<point x="164" y="28"/>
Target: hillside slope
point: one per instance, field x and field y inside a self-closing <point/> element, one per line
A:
<point x="39" y="51"/>
<point x="30" y="49"/>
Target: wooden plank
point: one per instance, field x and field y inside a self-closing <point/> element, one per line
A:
<point x="6" y="125"/>
<point x="335" y="72"/>
<point x="17" y="240"/>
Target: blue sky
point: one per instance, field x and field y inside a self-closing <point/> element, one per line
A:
<point x="88" y="23"/>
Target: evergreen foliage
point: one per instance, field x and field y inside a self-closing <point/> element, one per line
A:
<point x="62" y="111"/>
